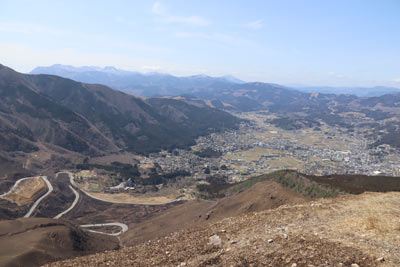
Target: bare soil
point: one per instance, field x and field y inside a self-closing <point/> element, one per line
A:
<point x="262" y="196"/>
<point x="354" y="229"/>
<point x="130" y="199"/>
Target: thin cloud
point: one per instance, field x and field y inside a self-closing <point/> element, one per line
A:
<point x="255" y="25"/>
<point x="396" y="80"/>
<point x="159" y="9"/>
<point x="49" y="34"/>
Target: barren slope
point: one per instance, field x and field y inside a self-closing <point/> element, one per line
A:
<point x="35" y="241"/>
<point x="351" y="229"/>
<point x="262" y="196"/>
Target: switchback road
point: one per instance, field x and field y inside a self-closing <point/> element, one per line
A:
<point x="50" y="189"/>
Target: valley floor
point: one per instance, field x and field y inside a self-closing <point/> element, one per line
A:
<point x="353" y="229"/>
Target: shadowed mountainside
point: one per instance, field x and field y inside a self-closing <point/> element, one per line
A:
<point x="94" y="119"/>
<point x="295" y="109"/>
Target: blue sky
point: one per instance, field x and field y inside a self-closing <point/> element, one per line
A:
<point x="325" y="42"/>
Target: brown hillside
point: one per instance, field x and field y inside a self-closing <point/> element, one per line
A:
<point x="36" y="241"/>
<point x="352" y="230"/>
<point x="262" y="196"/>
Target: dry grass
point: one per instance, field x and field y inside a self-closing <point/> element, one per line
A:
<point x="127" y="198"/>
<point x="252" y="154"/>
<point x="286" y="163"/>
<point x="27" y="191"/>
<point x="373" y="223"/>
<point x="85" y="174"/>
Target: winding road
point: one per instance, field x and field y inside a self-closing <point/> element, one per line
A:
<point x="50" y="189"/>
<point x="72" y="206"/>
<point x="36" y="203"/>
<point x="15" y="185"/>
<point x="71" y="179"/>
<point x="123" y="227"/>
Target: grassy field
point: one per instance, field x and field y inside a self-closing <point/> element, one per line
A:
<point x="283" y="162"/>
<point x="93" y="187"/>
<point x="286" y="163"/>
<point x="252" y="154"/>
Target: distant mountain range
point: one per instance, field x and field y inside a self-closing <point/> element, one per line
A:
<point x="358" y="91"/>
<point x="48" y="112"/>
<point x="161" y="84"/>
<point x="51" y="113"/>
<point x="149" y="84"/>
<point x="296" y="108"/>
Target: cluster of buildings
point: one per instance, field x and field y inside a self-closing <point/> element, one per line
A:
<point x="357" y="157"/>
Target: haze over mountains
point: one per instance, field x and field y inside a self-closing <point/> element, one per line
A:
<point x="155" y="83"/>
<point x="358" y="91"/>
<point x="149" y="84"/>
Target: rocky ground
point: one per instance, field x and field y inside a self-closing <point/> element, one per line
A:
<point x="262" y="196"/>
<point x="352" y="230"/>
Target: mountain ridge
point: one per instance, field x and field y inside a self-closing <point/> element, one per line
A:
<point x="296" y="109"/>
<point x="37" y="110"/>
<point x="141" y="83"/>
<point x="358" y="90"/>
<point x="134" y="82"/>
